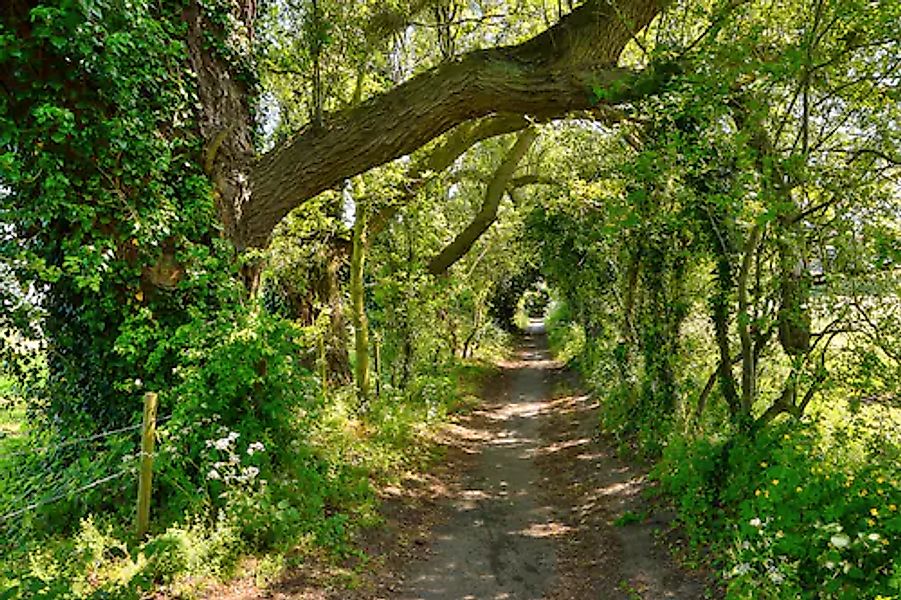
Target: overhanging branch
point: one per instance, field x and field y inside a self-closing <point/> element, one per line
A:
<point x="461" y="244"/>
<point x="553" y="74"/>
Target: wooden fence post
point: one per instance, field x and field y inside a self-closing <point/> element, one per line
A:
<point x="145" y="478"/>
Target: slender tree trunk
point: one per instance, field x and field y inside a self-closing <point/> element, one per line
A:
<point x="476" y="325"/>
<point x="358" y="307"/>
<point x="461" y="244"/>
<point x="748" y="364"/>
<point x="794" y="289"/>
<point x="720" y="310"/>
<point x="627" y="326"/>
<point x="336" y="349"/>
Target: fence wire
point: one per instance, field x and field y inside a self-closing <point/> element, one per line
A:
<point x="32" y="488"/>
<point x="72" y="442"/>
<point x="66" y="494"/>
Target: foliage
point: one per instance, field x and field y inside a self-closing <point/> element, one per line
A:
<point x="729" y="304"/>
<point x="793" y="514"/>
<point x="722" y="249"/>
<point x="100" y="160"/>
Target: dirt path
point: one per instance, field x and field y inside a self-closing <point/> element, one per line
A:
<point x="523" y="507"/>
<point x="534" y="517"/>
<point x="497" y="543"/>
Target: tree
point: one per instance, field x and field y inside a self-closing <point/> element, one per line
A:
<point x="569" y="67"/>
<point x="145" y="107"/>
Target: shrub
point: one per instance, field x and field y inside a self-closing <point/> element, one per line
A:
<point x="793" y="517"/>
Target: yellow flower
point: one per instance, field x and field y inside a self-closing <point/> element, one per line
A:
<point x="862" y="493"/>
<point x="880" y="480"/>
<point x="764" y="465"/>
<point x="775" y="482"/>
<point x="874" y="512"/>
<point x="786" y="437"/>
<point x="798" y="489"/>
<point x="756" y="492"/>
<point x="893" y="507"/>
<point x="871" y="522"/>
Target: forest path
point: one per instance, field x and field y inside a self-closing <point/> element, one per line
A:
<point x="522" y="507"/>
<point x="534" y="515"/>
<point x="497" y="543"/>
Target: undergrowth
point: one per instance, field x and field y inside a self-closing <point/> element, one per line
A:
<point x="295" y="476"/>
<point x="799" y="509"/>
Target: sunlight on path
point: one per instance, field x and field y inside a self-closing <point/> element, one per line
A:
<point x="498" y="544"/>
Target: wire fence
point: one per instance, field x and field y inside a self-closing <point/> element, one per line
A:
<point x="67" y="494"/>
<point x="75" y="441"/>
<point x="46" y="491"/>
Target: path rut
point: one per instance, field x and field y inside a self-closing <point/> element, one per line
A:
<point x="534" y="516"/>
<point x="497" y="542"/>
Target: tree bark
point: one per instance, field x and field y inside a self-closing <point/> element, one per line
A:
<point x="461" y="244"/>
<point x="720" y="310"/>
<point x="554" y="73"/>
<point x="338" y="366"/>
<point x="748" y="364"/>
<point x="358" y="304"/>
<point x="224" y="112"/>
<point x="460" y="140"/>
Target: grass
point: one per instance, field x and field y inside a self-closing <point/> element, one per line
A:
<point x="12" y="420"/>
<point x="393" y="439"/>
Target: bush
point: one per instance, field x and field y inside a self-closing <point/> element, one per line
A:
<point x="565" y="336"/>
<point x="792" y="516"/>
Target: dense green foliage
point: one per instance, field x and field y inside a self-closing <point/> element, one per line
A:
<point x="721" y="249"/>
<point x="737" y="297"/>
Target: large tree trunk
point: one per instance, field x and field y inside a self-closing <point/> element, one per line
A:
<point x="224" y="112"/>
<point x="557" y="72"/>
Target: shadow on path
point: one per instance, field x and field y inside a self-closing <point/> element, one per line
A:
<point x="497" y="543"/>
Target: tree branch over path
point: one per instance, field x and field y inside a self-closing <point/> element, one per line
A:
<point x="456" y="144"/>
<point x="487" y="214"/>
<point x="553" y="74"/>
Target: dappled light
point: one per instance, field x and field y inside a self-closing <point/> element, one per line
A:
<point x="443" y="299"/>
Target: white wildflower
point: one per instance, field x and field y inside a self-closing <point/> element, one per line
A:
<point x="213" y="474"/>
<point x="840" y="540"/>
<point x="873" y="537"/>
<point x="255" y="447"/>
<point x="755" y="522"/>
